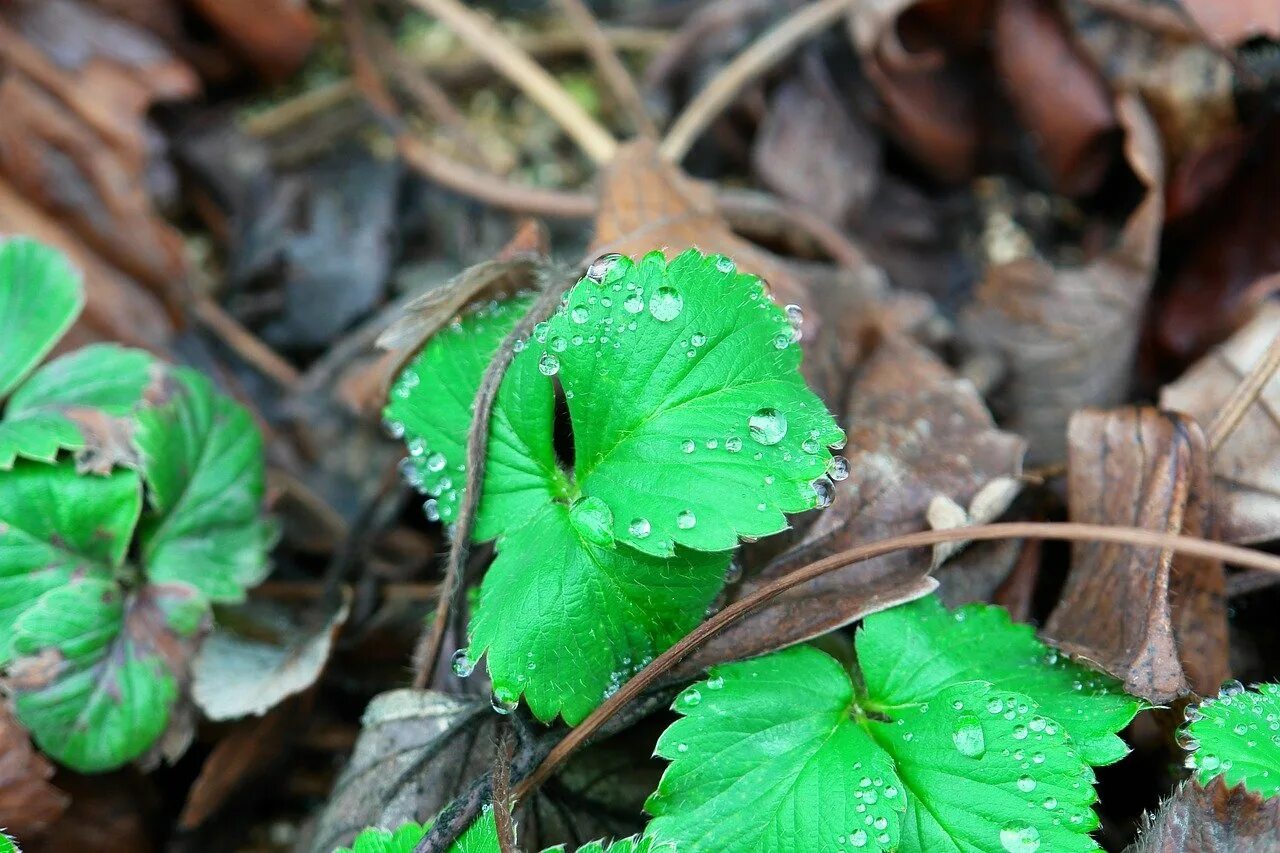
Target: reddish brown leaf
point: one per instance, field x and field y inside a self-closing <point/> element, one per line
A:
<point x="1247" y="464"/>
<point x="108" y="814"/>
<point x="1067" y="334"/>
<point x="274" y="35"/>
<point x="1154" y="621"/>
<point x="1212" y="819"/>
<point x="252" y="745"/>
<point x="28" y="803"/>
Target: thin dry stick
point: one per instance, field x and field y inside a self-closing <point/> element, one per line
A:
<point x="503" y="751"/>
<point x="759" y="57"/>
<point x="1070" y="531"/>
<point x="525" y="74"/>
<point x="427" y="652"/>
<point x="612" y="71"/>
<point x="245" y="344"/>
<point x="1246" y="393"/>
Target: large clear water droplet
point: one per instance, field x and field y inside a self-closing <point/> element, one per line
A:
<point x="725" y="265"/>
<point x="665" y="304"/>
<point x="968" y="737"/>
<point x="824" y="492"/>
<point x="633" y="304"/>
<point x="463" y="665"/>
<point x="640" y="527"/>
<point x="858" y="838"/>
<point x="435" y="462"/>
<point x="767" y="426"/>
<point x="431" y="509"/>
<point x="1020" y="838"/>
<point x="593" y="520"/>
<point x="579" y="314"/>
<point x="1026" y="784"/>
<point x="686" y="520"/>
<point x="548" y="365"/>
<point x="504" y="701"/>
<point x="600" y="267"/>
<point x="838" y="469"/>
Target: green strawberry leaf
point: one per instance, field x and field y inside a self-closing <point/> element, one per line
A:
<point x="431" y="408"/>
<point x="56" y="525"/>
<point x="40" y="297"/>
<point x="8" y="844"/>
<point x="480" y="837"/>
<point x="74" y="395"/>
<point x="909" y="653"/>
<point x="203" y="465"/>
<point x="769" y="757"/>
<point x="95" y="676"/>
<point x="1237" y="736"/>
<point x="565" y="619"/>
<point x="691" y="420"/>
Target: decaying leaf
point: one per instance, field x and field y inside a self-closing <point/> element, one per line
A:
<point x="260" y="655"/>
<point x="1212" y="819"/>
<point x="252" y="745"/>
<point x="420" y="748"/>
<point x="28" y="803"/>
<point x="1246" y="467"/>
<point x="915" y="431"/>
<point x="1156" y="621"/>
<point x="1067" y="334"/>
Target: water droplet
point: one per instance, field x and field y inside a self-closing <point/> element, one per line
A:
<point x="639" y="527"/>
<point x="395" y="429"/>
<point x="715" y="682"/>
<point x="824" y="493"/>
<point x="691" y="698"/>
<point x="1037" y="724"/>
<point x="1192" y="713"/>
<point x="890" y="792"/>
<point x="1208" y="761"/>
<point x="1241" y="729"/>
<point x="858" y="838"/>
<point x="968" y="737"/>
<point x="733" y="445"/>
<point x="698" y="339"/>
<point x="1232" y="688"/>
<point x="767" y="426"/>
<point x="682" y="747"/>
<point x="795" y="314"/>
<point x="579" y="314"/>
<point x="810" y="445"/>
<point x="1020" y="838"/>
<point x="995" y="706"/>
<point x="504" y="701"/>
<point x="688" y="445"/>
<point x="417" y="447"/>
<point x="712" y="444"/>
<point x="593" y="520"/>
<point x="548" y="365"/>
<point x="633" y="304"/>
<point x="1050" y="803"/>
<point x="839" y="443"/>
<point x="518" y="346"/>
<point x="559" y="344"/>
<point x="733" y="573"/>
<point x="600" y="266"/>
<point x="725" y="265"/>
<point x="782" y="340"/>
<point x="431" y="509"/>
<point x="1026" y="784"/>
<point x="463" y="666"/>
<point x="435" y="462"/>
<point x="665" y="304"/>
<point x="686" y="520"/>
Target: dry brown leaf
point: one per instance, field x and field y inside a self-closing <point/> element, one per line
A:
<point x="1156" y="622"/>
<point x="109" y="813"/>
<point x="251" y="746"/>
<point x="1246" y="466"/>
<point x="1212" y="819"/>
<point x="28" y="803"/>
<point x="915" y="431"/>
<point x="1067" y="335"/>
<point x="275" y="36"/>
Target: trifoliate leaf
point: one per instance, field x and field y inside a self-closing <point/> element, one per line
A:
<point x="909" y="653"/>
<point x="94" y="675"/>
<point x="769" y="757"/>
<point x="40" y="297"/>
<point x="976" y="778"/>
<point x="565" y="619"/>
<point x="56" y="525"/>
<point x="88" y="388"/>
<point x="1237" y="736"/>
<point x="691" y="420"/>
<point x="202" y="460"/>
<point x="431" y="407"/>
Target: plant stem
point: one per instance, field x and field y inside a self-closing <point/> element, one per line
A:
<point x="1068" y="531"/>
<point x="612" y="71"/>
<point x="1244" y="396"/>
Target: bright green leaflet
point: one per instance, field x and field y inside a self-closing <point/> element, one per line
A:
<point x="769" y="758"/>
<point x="565" y="620"/>
<point x="976" y="765"/>
<point x="104" y="377"/>
<point x="40" y="297"/>
<point x="691" y="420"/>
<point x="202" y="461"/>
<point x="480" y="837"/>
<point x="56" y="524"/>
<point x="7" y="844"/>
<point x="909" y="653"/>
<point x="108" y="699"/>
<point x="431" y="407"/>
<point x="1237" y="736"/>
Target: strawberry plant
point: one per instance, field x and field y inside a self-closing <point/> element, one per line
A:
<point x="481" y="837"/>
<point x="130" y="502"/>
<point x="1237" y="736"/>
<point x="692" y="430"/>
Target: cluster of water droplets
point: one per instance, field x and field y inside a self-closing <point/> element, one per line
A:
<point x="620" y="676"/>
<point x="1259" y="722"/>
<point x="869" y="792"/>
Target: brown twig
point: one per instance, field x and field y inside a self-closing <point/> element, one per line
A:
<point x="503" y="749"/>
<point x="612" y="71"/>
<point x="759" y="57"/>
<point x="525" y="74"/>
<point x="427" y="651"/>
<point x="243" y="342"/>
<point x="1069" y="531"/>
<point x="1244" y="396"/>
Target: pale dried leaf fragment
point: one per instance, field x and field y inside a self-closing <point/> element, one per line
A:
<point x="988" y="504"/>
<point x="1211" y="819"/>
<point x="1246" y="466"/>
<point x="1156" y="621"/>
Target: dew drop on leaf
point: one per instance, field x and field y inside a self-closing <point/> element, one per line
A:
<point x="593" y="520"/>
<point x="600" y="266"/>
<point x="690" y="698"/>
<point x="559" y="344"/>
<point x="858" y="838"/>
<point x="1020" y="838"/>
<point x="715" y="682"/>
<point x="733" y="445"/>
<point x="686" y="520"/>
<point x="698" y="339"/>
<point x="968" y="737"/>
<point x="435" y="462"/>
<point x="579" y="315"/>
<point x="823" y="493"/>
<point x="463" y="665"/>
<point x="1026" y="784"/>
<point x="665" y="304"/>
<point x="431" y="509"/>
<point x="633" y="304"/>
<point x="639" y="527"/>
<point x="548" y="365"/>
<point x="688" y="445"/>
<point x="767" y="426"/>
<point x="503" y="701"/>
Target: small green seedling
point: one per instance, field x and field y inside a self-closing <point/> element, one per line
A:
<point x="953" y="731"/>
<point x="481" y="837"/>
<point x="692" y="428"/>
<point x="130" y="501"/>
<point x="1237" y="736"/>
